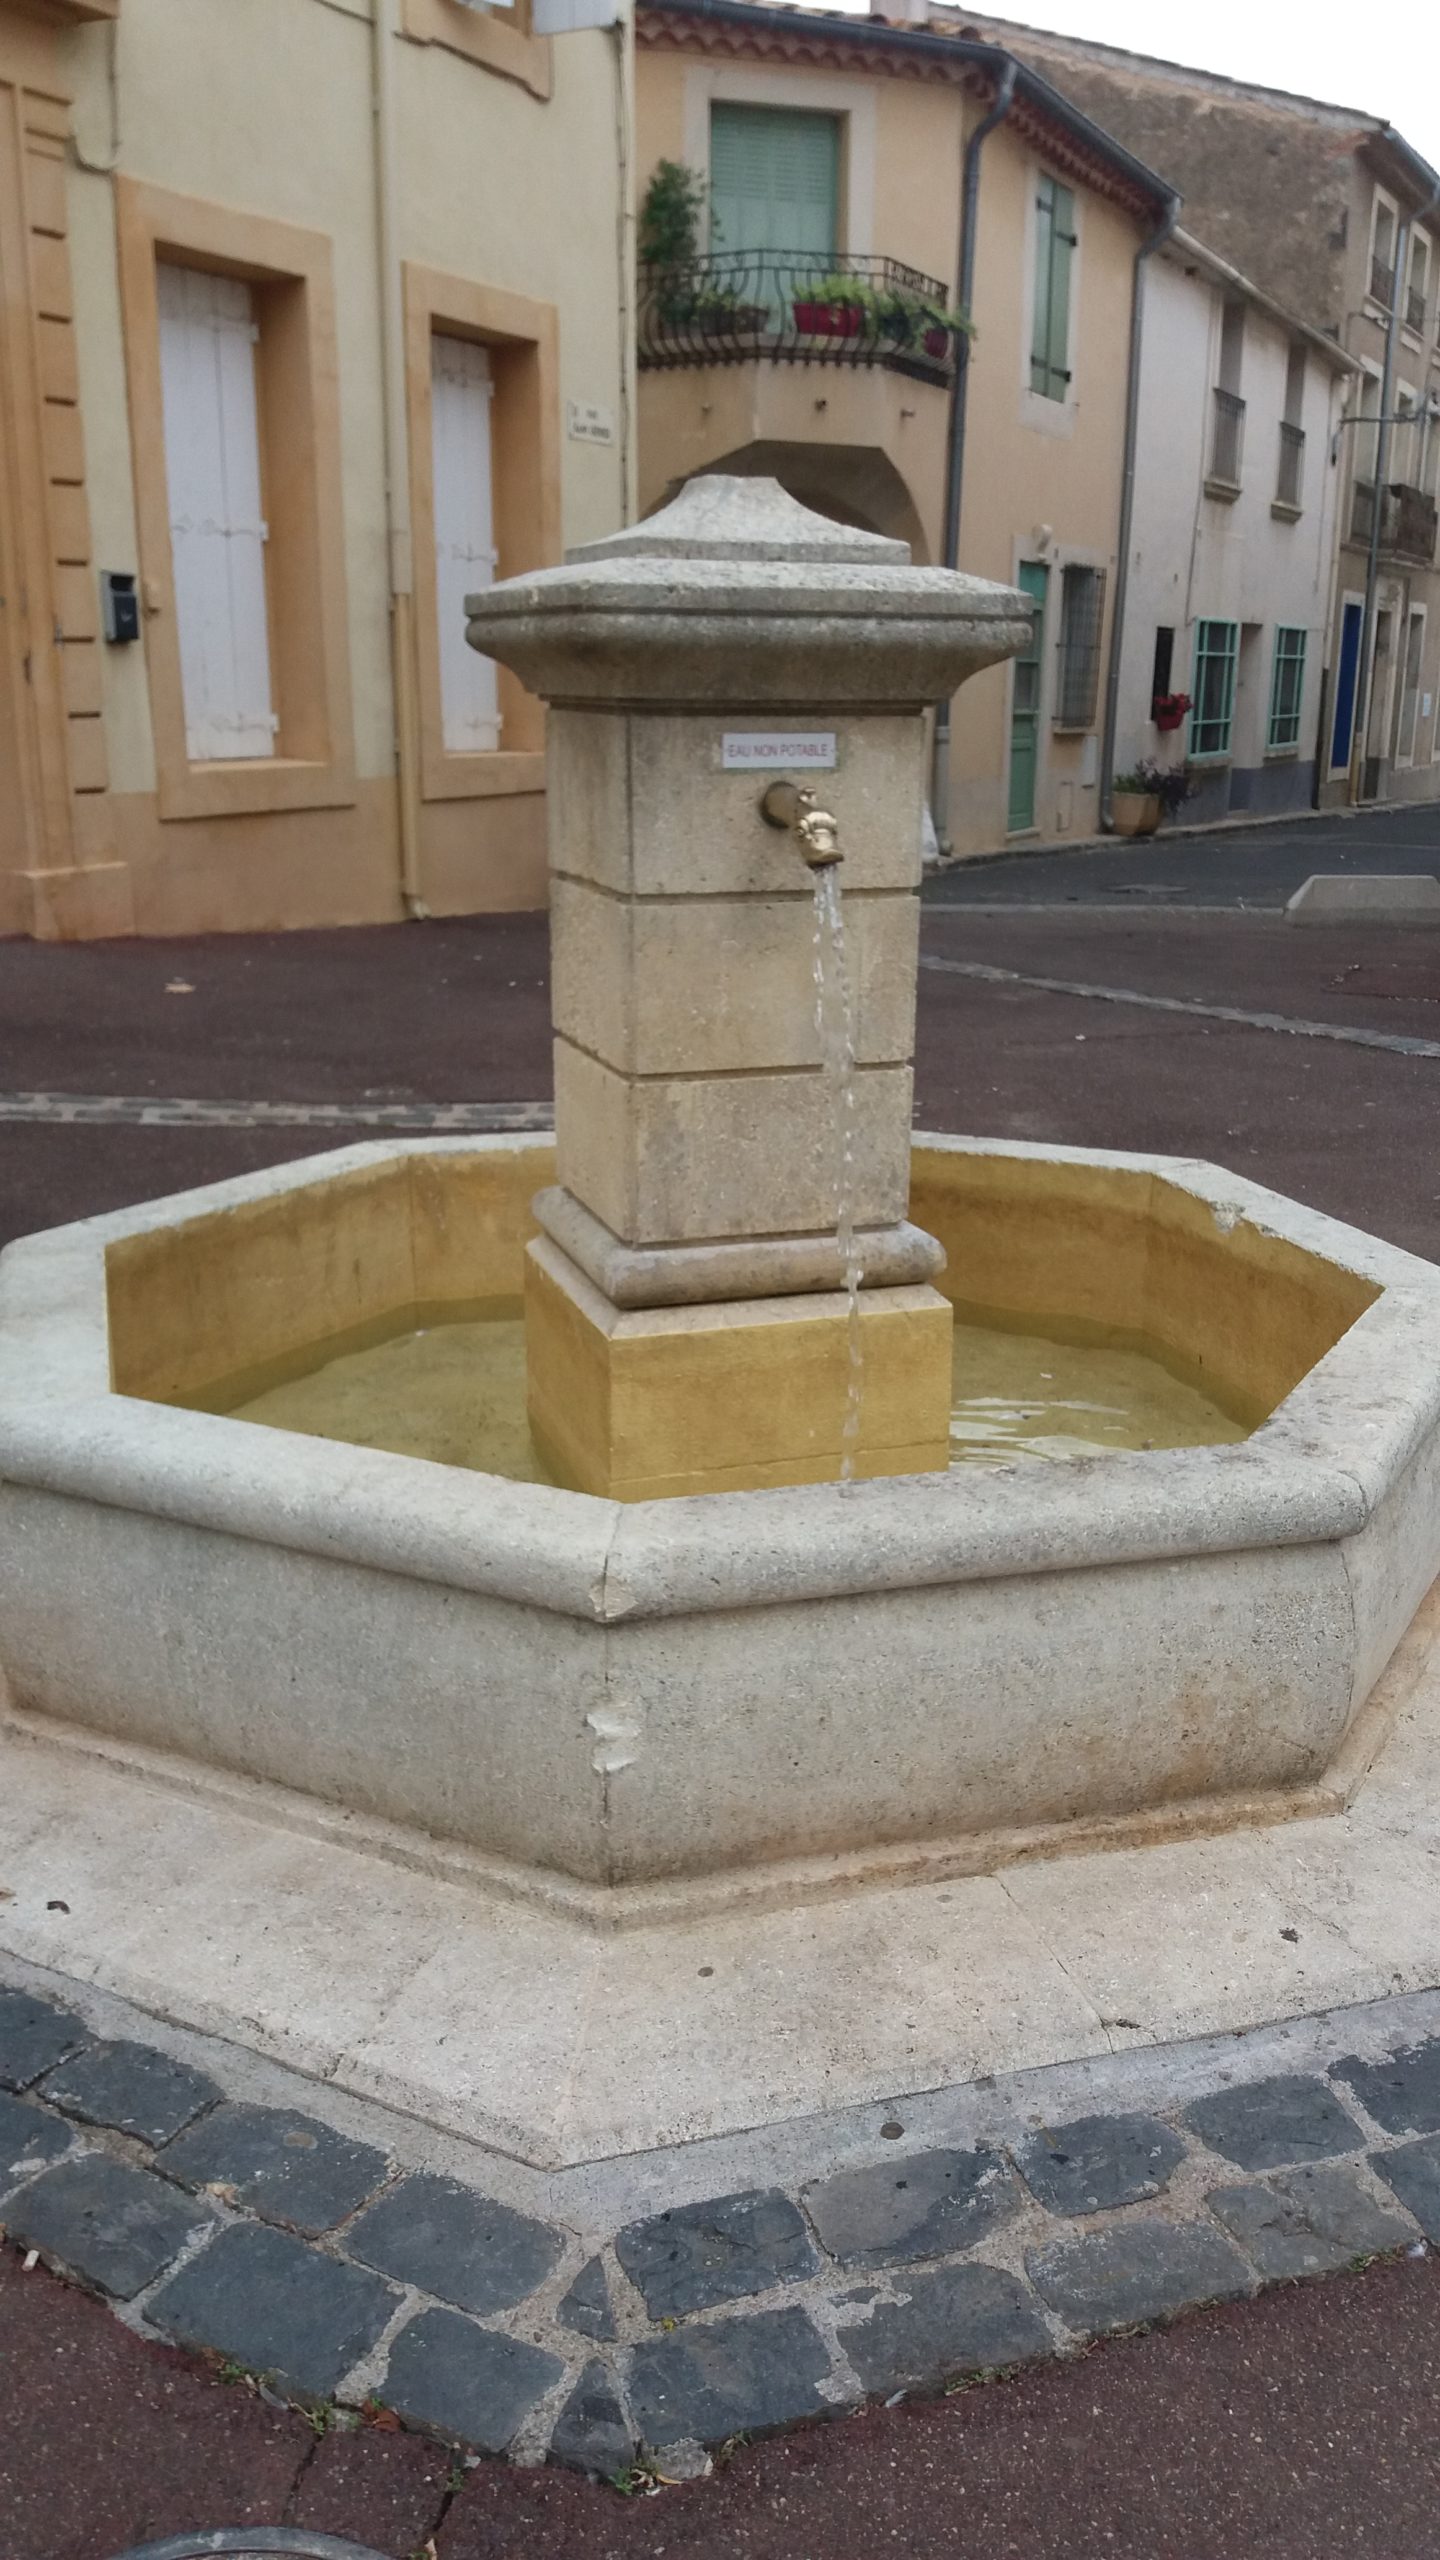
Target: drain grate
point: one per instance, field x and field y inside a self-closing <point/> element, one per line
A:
<point x="252" y="2542"/>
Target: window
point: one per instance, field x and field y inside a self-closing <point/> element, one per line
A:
<point x="217" y="525"/>
<point x="1410" y="685"/>
<point x="461" y="388"/>
<point x="775" y="181"/>
<point x="1384" y="225"/>
<point x="485" y="420"/>
<point x="1216" y="651"/>
<point x="1055" y="244"/>
<point x="1290" y="473"/>
<point x="1082" y="614"/>
<point x="1163" y="667"/>
<point x="1227" y="433"/>
<point x="1418" y="293"/>
<point x="229" y="324"/>
<point x="1287" y="687"/>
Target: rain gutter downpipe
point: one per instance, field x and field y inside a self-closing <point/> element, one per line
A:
<point x="1163" y="231"/>
<point x="955" y="441"/>
<point x="401" y="546"/>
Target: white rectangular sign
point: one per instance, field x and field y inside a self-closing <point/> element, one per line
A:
<point x="589" y="423"/>
<point x="777" y="750"/>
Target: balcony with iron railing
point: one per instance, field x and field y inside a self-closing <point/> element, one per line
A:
<point x="1227" y="445"/>
<point x="1382" y="282"/>
<point x="1415" y="301"/>
<point x="1290" y="474"/>
<point x="743" y="306"/>
<point x="1409" y="521"/>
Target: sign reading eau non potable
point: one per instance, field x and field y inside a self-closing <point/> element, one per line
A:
<point x="777" y="750"/>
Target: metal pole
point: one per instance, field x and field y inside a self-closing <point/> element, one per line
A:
<point x="955" y="441"/>
<point x="1146" y="251"/>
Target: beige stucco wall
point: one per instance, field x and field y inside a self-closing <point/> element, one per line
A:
<point x="1032" y="466"/>
<point x="267" y="108"/>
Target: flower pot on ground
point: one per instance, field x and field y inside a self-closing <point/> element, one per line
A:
<point x="1148" y="788"/>
<point x="1135" y="813"/>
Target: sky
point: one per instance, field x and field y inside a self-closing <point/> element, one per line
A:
<point x="1320" y="47"/>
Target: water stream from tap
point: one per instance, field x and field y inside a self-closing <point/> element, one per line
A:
<point x="835" y="1027"/>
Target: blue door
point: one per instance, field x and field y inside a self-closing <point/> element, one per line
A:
<point x="1346" y="677"/>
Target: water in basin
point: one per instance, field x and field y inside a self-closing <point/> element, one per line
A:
<point x="454" y="1391"/>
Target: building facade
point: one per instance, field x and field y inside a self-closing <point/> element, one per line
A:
<point x="1232" y="551"/>
<point x="1334" y="216"/>
<point x="291" y="363"/>
<point x="800" y="340"/>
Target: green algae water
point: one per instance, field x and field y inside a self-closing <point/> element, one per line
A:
<point x="454" y="1392"/>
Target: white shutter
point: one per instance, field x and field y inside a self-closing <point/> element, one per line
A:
<point x="217" y="532"/>
<point x="460" y="390"/>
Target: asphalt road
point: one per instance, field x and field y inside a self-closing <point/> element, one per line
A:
<point x="1261" y="866"/>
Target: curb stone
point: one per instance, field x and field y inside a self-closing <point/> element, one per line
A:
<point x="328" y="2266"/>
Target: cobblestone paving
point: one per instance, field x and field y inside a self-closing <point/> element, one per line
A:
<point x="321" y="2264"/>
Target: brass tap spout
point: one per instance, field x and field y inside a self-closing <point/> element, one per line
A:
<point x="789" y="804"/>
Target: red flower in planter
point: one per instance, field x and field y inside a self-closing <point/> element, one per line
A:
<point x="1168" y="710"/>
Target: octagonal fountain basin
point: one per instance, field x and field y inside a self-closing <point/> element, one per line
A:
<point x="629" y="1709"/>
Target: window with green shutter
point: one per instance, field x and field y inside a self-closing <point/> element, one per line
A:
<point x="775" y="181"/>
<point x="1217" y="650"/>
<point x="1054" y="252"/>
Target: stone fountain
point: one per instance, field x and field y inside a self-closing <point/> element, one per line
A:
<point x="693" y="1664"/>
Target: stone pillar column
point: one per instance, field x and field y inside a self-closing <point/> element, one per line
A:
<point x="687" y="1323"/>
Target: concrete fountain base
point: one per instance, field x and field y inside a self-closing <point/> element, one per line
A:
<point x="627" y="1712"/>
<point x="224" y="1906"/>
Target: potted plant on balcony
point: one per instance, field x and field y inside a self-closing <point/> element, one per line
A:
<point x="1148" y="793"/>
<point x="830" y="307"/>
<point x="1168" y="710"/>
<point x="671" y="212"/>
<point x="842" y="306"/>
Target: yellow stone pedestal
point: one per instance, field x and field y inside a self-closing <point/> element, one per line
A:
<point x="729" y="1397"/>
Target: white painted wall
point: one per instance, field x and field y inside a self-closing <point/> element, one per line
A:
<point x="1195" y="557"/>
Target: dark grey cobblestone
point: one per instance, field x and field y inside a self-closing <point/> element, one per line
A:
<point x="587" y="2307"/>
<point x="592" y="2432"/>
<point x="1275" y="2124"/>
<point x="1403" y="2093"/>
<point x="728" y="2377"/>
<point x="1100" y="2162"/>
<point x="925" y="2206"/>
<point x="965" y="2319"/>
<point x="113" y="2227"/>
<point x="451" y="2242"/>
<point x="482" y="2354"/>
<point x="288" y="2168"/>
<point x="1305" y="2222"/>
<point x="471" y="2385"/>
<point x="28" y="2139"/>
<point x="1412" y="2170"/>
<point x="34" y="2035"/>
<point x="1145" y="2269"/>
<point x="131" y="2088"/>
<point x="271" y="2303"/>
<point x="701" y="2255"/>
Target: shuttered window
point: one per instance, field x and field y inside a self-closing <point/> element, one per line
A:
<point x="1082" y="614"/>
<point x="461" y="385"/>
<point x="1054" y="255"/>
<point x="208" y="340"/>
<point x="774" y="180"/>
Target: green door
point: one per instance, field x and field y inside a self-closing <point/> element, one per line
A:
<point x="1034" y="577"/>
<point x="775" y="181"/>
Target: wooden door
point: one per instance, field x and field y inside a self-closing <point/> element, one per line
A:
<point x="1034" y="577"/>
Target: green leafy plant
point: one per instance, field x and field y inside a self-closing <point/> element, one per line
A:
<point x="1171" y="784"/>
<point x="891" y="309"/>
<point x="672" y="214"/>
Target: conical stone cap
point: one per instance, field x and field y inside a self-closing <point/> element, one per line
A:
<point x="736" y="596"/>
